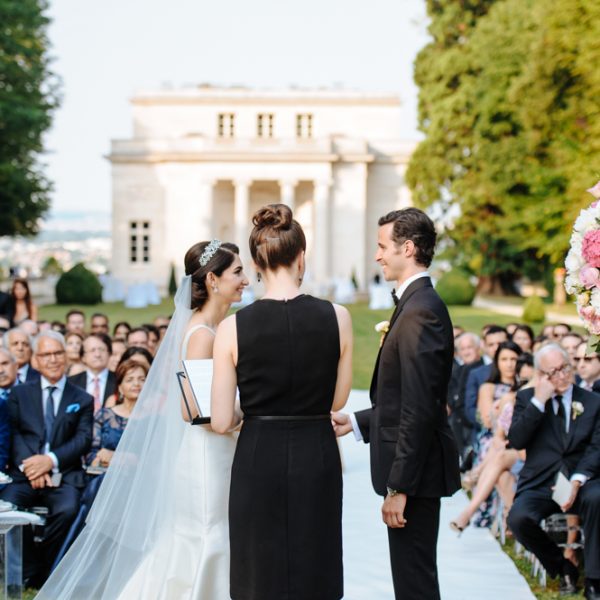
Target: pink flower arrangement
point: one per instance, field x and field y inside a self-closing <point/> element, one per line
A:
<point x="583" y="265"/>
<point x="591" y="248"/>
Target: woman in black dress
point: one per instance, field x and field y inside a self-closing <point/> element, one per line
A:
<point x="290" y="355"/>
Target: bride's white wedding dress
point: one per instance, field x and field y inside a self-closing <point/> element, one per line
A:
<point x="191" y="558"/>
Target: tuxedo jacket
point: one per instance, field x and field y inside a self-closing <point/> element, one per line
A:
<point x="412" y="446"/>
<point x="4" y="433"/>
<point x="547" y="452"/>
<point x="71" y="436"/>
<point x="33" y="375"/>
<point x="457" y="386"/>
<point x="80" y="380"/>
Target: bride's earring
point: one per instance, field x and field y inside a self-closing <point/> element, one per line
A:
<point x="215" y="289"/>
<point x="258" y="277"/>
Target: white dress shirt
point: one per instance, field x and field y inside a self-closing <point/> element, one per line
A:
<point x="103" y="377"/>
<point x="56" y="398"/>
<point x="399" y="292"/>
<point x="567" y="401"/>
<point x="22" y="373"/>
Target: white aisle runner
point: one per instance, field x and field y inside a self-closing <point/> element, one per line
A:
<point x="470" y="567"/>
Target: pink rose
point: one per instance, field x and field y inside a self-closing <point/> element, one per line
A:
<point x="587" y="312"/>
<point x="590" y="277"/>
<point x="595" y="191"/>
<point x="591" y="248"/>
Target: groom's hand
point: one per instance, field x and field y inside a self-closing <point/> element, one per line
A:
<point x="341" y="423"/>
<point x="392" y="511"/>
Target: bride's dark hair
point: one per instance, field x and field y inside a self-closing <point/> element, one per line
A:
<point x="277" y="238"/>
<point x="220" y="261"/>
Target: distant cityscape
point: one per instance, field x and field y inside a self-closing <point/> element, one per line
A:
<point x="69" y="237"/>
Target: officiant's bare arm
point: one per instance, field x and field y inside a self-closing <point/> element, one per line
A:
<point x="200" y="346"/>
<point x="344" y="373"/>
<point x="223" y="415"/>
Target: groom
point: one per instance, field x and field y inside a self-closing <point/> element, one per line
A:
<point x="414" y="460"/>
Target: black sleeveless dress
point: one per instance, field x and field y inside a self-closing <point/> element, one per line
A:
<point x="285" y="505"/>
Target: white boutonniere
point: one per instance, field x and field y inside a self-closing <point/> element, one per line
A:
<point x="576" y="410"/>
<point x="382" y="327"/>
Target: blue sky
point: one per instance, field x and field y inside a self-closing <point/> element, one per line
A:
<point x="104" y="51"/>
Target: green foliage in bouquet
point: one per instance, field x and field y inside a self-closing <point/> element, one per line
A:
<point x="534" y="310"/>
<point x="78" y="286"/>
<point x="455" y="288"/>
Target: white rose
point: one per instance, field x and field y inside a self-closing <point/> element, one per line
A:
<point x="595" y="299"/>
<point x="572" y="284"/>
<point x="576" y="242"/>
<point x="574" y="261"/>
<point x="586" y="220"/>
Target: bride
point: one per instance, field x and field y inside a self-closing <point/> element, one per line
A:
<point x="158" y="528"/>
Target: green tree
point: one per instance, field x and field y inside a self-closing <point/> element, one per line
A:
<point x="51" y="266"/>
<point x="512" y="142"/>
<point x="28" y="97"/>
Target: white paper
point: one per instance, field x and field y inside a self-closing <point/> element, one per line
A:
<point x="562" y="489"/>
<point x="199" y="374"/>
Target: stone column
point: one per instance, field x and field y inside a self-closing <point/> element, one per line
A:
<point x="287" y="193"/>
<point x="242" y="220"/>
<point x="322" y="229"/>
<point x="205" y="210"/>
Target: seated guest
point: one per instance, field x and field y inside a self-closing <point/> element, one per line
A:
<point x="18" y="343"/>
<point x="497" y="471"/>
<point x="493" y="337"/>
<point x="559" y="331"/>
<point x="58" y="326"/>
<point x="138" y="337"/>
<point x="122" y="328"/>
<point x="468" y="351"/>
<point x="8" y="379"/>
<point x="570" y="343"/>
<point x="74" y="343"/>
<point x="97" y="380"/>
<point x="22" y="302"/>
<point x="153" y="338"/>
<point x="4" y="323"/>
<point x="99" y="323"/>
<point x="558" y="425"/>
<point x="511" y="328"/>
<point x="142" y="355"/>
<point x="51" y="425"/>
<point x="118" y="349"/>
<point x="588" y="368"/>
<point x="76" y="322"/>
<point x="31" y="328"/>
<point x="522" y="335"/>
<point x="109" y="425"/>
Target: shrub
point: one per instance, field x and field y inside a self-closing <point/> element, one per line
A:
<point x="172" y="282"/>
<point x="455" y="288"/>
<point x="78" y="286"/>
<point x="533" y="310"/>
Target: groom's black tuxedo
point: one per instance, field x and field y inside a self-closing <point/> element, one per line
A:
<point x="549" y="451"/>
<point x="412" y="447"/>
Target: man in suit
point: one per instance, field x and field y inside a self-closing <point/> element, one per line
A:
<point x="51" y="424"/>
<point x="558" y="424"/>
<point x="97" y="380"/>
<point x="587" y="365"/>
<point x="8" y="379"/>
<point x="18" y="343"/>
<point x="414" y="460"/>
<point x="468" y="350"/>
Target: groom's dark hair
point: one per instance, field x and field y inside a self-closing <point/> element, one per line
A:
<point x="413" y="224"/>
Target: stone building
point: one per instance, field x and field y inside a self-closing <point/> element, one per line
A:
<point x="202" y="160"/>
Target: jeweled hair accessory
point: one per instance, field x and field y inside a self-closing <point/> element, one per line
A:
<point x="209" y="252"/>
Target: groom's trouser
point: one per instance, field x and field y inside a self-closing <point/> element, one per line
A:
<point x="413" y="551"/>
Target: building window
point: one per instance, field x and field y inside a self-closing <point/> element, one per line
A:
<point x="226" y="125"/>
<point x="139" y="241"/>
<point x="304" y="125"/>
<point x="264" y="125"/>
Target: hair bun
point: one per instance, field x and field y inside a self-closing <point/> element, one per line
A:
<point x="277" y="216"/>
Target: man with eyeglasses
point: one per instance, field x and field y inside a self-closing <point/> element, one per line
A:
<point x="588" y="368"/>
<point x="97" y="380"/>
<point x="558" y="425"/>
<point x="51" y="425"/>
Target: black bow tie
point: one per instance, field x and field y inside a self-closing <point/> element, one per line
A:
<point x="394" y="297"/>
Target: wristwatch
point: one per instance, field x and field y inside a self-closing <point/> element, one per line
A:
<point x="392" y="492"/>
